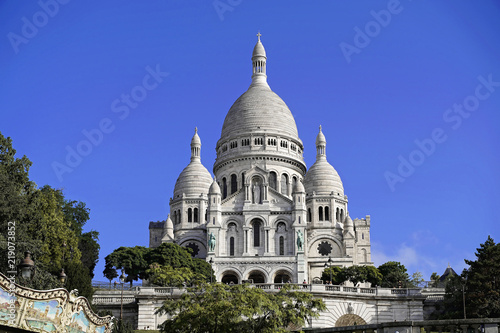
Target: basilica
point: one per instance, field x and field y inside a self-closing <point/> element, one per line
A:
<point x="264" y="216"/>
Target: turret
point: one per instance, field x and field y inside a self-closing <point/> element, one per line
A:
<point x="168" y="236"/>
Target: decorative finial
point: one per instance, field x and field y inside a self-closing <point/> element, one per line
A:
<point x="258" y="35"/>
<point x="320" y="128"/>
<point x="196" y="130"/>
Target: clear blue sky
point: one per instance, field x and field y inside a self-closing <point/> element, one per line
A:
<point x="383" y="78"/>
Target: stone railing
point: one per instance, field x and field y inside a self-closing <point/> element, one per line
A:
<point x="113" y="300"/>
<point x="114" y="296"/>
<point x="482" y="325"/>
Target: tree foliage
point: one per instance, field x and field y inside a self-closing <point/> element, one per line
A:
<point x="434" y="279"/>
<point x="355" y="274"/>
<point x="169" y="276"/>
<point x="137" y="263"/>
<point x="130" y="259"/>
<point x="238" y="308"/>
<point x="394" y="275"/>
<point x="479" y="285"/>
<point x="39" y="220"/>
<point x="416" y="280"/>
<point x="483" y="282"/>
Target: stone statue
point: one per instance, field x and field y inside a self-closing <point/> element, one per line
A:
<point x="256" y="193"/>
<point x="300" y="240"/>
<point x="211" y="242"/>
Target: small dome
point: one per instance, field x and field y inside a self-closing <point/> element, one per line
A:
<point x="299" y="187"/>
<point x="320" y="139"/>
<point x="168" y="237"/>
<point x="258" y="50"/>
<point x="194" y="180"/>
<point x="322" y="178"/>
<point x="169" y="224"/>
<point x="348" y="222"/>
<point x="196" y="138"/>
<point x="214" y="188"/>
<point x="259" y="109"/>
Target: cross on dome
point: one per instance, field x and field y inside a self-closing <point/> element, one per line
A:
<point x="258" y="35"/>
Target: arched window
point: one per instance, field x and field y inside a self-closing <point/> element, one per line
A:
<point x="282" y="246"/>
<point x="231" y="246"/>
<point x="320" y="213"/>
<point x="337" y="215"/>
<point x="206" y="214"/>
<point x="256" y="233"/>
<point x="284" y="184"/>
<point x="234" y="184"/>
<point x="175" y="217"/>
<point x="195" y="217"/>
<point x="242" y="179"/>
<point x="224" y="188"/>
<point x="179" y="219"/>
<point x="294" y="182"/>
<point x="309" y="215"/>
<point x="190" y="215"/>
<point x="272" y="180"/>
<point x="341" y="215"/>
<point x="327" y="213"/>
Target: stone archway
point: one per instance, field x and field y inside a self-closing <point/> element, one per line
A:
<point x="230" y="277"/>
<point x="349" y="320"/>
<point x="257" y="277"/>
<point x="283" y="276"/>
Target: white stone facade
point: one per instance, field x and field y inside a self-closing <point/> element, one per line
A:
<point x="263" y="197"/>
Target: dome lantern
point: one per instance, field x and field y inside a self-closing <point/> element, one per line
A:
<point x="195" y="145"/>
<point x="320" y="144"/>
<point x="259" y="63"/>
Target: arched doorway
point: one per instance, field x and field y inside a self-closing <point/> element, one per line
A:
<point x="349" y="320"/>
<point x="283" y="277"/>
<point x="230" y="277"/>
<point x="257" y="277"/>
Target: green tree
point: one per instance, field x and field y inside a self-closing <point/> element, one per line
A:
<point x="239" y="308"/>
<point x="373" y="276"/>
<point x="336" y="275"/>
<point x="483" y="282"/>
<point x="355" y="274"/>
<point x="169" y="276"/>
<point x="39" y="220"/>
<point x="452" y="306"/>
<point x="136" y="261"/>
<point x="78" y="277"/>
<point x="416" y="280"/>
<point x="394" y="275"/>
<point x="130" y="259"/>
<point x="89" y="247"/>
<point x="434" y="279"/>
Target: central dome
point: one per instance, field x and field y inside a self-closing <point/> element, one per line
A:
<point x="259" y="109"/>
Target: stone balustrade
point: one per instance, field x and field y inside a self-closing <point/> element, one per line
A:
<point x="111" y="297"/>
<point x="481" y="325"/>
